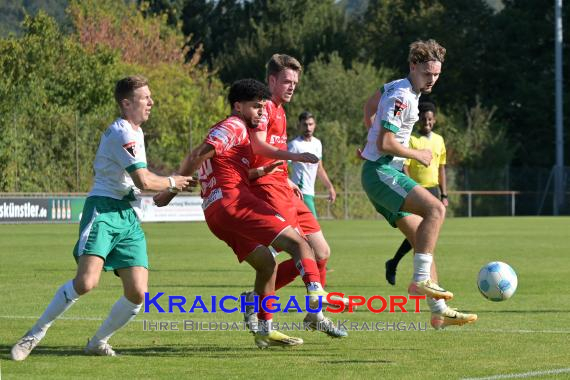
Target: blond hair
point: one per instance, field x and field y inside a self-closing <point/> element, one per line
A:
<point x="425" y="51"/>
<point x="280" y="62"/>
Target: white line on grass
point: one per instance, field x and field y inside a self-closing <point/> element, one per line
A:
<point x="521" y="375"/>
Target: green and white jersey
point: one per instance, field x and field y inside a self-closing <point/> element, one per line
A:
<point x="304" y="174"/>
<point x="397" y="112"/>
<point x="121" y="151"/>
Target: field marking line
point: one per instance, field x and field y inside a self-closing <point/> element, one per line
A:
<point x="521" y="375"/>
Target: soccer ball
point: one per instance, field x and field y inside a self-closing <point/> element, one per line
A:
<point x="497" y="281"/>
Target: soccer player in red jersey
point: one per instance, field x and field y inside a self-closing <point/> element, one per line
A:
<point x="270" y="183"/>
<point x="235" y="215"/>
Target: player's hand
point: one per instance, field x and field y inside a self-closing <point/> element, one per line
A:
<point x="445" y="202"/>
<point x="359" y="154"/>
<point x="307" y="157"/>
<point x="163" y="198"/>
<point x="332" y="195"/>
<point x="424" y="157"/>
<point x="184" y="182"/>
<point x="274" y="167"/>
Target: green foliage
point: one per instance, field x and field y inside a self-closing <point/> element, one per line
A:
<point x="47" y="81"/>
<point x="476" y="139"/>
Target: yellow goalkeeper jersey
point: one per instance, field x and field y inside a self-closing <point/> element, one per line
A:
<point x="427" y="177"/>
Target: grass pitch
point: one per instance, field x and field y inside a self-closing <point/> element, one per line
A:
<point x="528" y="333"/>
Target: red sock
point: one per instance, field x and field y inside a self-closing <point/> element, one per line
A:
<point x="262" y="314"/>
<point x="286" y="273"/>
<point x="322" y="265"/>
<point x="309" y="271"/>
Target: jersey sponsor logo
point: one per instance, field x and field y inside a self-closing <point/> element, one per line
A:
<point x="215" y="195"/>
<point x="273" y="139"/>
<point x="399" y="106"/>
<point x="220" y="134"/>
<point x="131" y="148"/>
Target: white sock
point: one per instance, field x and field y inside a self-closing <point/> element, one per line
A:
<point x="436" y="306"/>
<point x="63" y="299"/>
<point x="264" y="326"/>
<point x="123" y="312"/>
<point x="422" y="266"/>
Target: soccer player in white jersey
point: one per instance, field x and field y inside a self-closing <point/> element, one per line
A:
<point x="405" y="204"/>
<point x="304" y="174"/>
<point x="110" y="235"/>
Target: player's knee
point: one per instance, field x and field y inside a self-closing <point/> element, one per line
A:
<point x="323" y="252"/>
<point x="136" y="295"/>
<point x="437" y="212"/>
<point x="267" y="270"/>
<point x="85" y="284"/>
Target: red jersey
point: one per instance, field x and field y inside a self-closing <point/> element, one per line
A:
<point x="274" y="123"/>
<point x="228" y="169"/>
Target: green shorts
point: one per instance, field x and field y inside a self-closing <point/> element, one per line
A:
<point x="310" y="202"/>
<point x="110" y="229"/>
<point x="387" y="188"/>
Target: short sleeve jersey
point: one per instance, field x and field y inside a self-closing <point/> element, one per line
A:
<point x="274" y="122"/>
<point x="121" y="151"/>
<point x="304" y="174"/>
<point x="427" y="176"/>
<point x="397" y="112"/>
<point x="229" y="168"/>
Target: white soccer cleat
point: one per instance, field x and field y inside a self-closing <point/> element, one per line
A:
<point x="24" y="347"/>
<point x="100" y="349"/>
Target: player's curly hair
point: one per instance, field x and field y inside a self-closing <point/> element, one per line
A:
<point x="245" y="90"/>
<point x="426" y="107"/>
<point x="125" y="87"/>
<point x="280" y="62"/>
<point x="425" y="51"/>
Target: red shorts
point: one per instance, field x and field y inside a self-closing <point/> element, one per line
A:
<point x="245" y="223"/>
<point x="306" y="218"/>
<point x="289" y="205"/>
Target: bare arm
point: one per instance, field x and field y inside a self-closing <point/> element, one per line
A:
<point x="262" y="148"/>
<point x="387" y="143"/>
<point x="189" y="165"/>
<point x="370" y="108"/>
<point x="147" y="180"/>
<point x="443" y="185"/>
<point x="407" y="170"/>
<point x="322" y="174"/>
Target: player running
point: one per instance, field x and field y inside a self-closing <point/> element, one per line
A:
<point x="404" y="203"/>
<point x="110" y="235"/>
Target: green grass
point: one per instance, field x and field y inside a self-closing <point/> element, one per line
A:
<point x="529" y="332"/>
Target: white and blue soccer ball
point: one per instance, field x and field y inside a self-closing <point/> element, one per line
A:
<point x="497" y="281"/>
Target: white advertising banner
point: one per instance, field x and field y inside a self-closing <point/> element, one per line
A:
<point x="181" y="209"/>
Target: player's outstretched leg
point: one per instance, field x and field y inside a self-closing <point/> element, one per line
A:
<point x="87" y="277"/>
